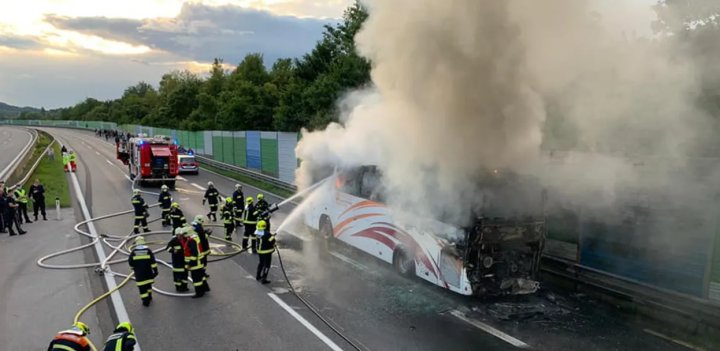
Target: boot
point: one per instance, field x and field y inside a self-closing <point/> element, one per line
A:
<point x="12" y="232"/>
<point x="22" y="232"/>
<point x="44" y="218"/>
<point x="35" y="218"/>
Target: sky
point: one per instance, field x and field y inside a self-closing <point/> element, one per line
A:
<point x="55" y="53"/>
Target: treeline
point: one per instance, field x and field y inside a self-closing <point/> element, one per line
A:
<point x="294" y="93"/>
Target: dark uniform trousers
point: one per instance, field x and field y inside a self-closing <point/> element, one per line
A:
<point x="265" y="252"/>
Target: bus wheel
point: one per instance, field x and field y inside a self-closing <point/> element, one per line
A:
<point x="404" y="264"/>
<point x="326" y="228"/>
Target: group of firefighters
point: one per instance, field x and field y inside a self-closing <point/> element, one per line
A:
<point x="190" y="245"/>
<point x="189" y="249"/>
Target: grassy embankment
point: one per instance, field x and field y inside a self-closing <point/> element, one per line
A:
<point x="51" y="174"/>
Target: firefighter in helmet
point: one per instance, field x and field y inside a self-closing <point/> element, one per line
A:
<point x="122" y="338"/>
<point x="266" y="247"/>
<point x="193" y="263"/>
<point x="141" y="213"/>
<point x="73" y="339"/>
<point x="239" y="201"/>
<point x="180" y="274"/>
<point x="165" y="200"/>
<point x="211" y="196"/>
<point x="142" y="261"/>
<point x="249" y="221"/>
<point x="204" y="235"/>
<point x="228" y="217"/>
<point x="176" y="216"/>
<point x="262" y="208"/>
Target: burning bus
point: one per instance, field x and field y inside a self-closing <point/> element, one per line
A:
<point x="492" y="256"/>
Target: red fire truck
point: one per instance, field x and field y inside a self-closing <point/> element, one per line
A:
<point x="150" y="159"/>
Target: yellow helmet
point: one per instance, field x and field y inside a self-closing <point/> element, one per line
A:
<point x="175" y="205"/>
<point x="228" y="199"/>
<point x="261" y="225"/>
<point x="248" y="200"/>
<point x="82" y="326"/>
<point x="125" y="325"/>
<point x="260" y="196"/>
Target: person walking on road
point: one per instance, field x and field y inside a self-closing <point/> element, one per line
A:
<point x="122" y="338"/>
<point x="21" y="199"/>
<point x="211" y="196"/>
<point x="228" y="217"/>
<point x="266" y="248"/>
<point x="191" y="246"/>
<point x="8" y="205"/>
<point x="176" y="216"/>
<point x="141" y="212"/>
<point x="142" y="261"/>
<point x="37" y="192"/>
<point x="239" y="201"/>
<point x="73" y="161"/>
<point x="180" y="274"/>
<point x="73" y="339"/>
<point x="165" y="200"/>
<point x="66" y="161"/>
<point x="249" y="221"/>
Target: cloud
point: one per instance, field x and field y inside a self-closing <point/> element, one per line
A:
<point x="201" y="32"/>
<point x="18" y="42"/>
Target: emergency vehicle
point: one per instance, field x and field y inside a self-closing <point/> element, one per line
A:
<point x="150" y="159"/>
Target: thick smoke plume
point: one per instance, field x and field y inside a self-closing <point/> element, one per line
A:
<point x="464" y="87"/>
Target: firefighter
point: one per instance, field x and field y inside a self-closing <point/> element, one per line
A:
<point x="66" y="161"/>
<point x="228" y="217"/>
<point x="73" y="339"/>
<point x="211" y="196"/>
<point x="262" y="208"/>
<point x="142" y="261"/>
<point x="176" y="216"/>
<point x="239" y="201"/>
<point x="122" y="338"/>
<point x="266" y="247"/>
<point x="73" y="161"/>
<point x="204" y="235"/>
<point x="141" y="212"/>
<point x="192" y="249"/>
<point x="21" y="199"/>
<point x="37" y="192"/>
<point x="165" y="200"/>
<point x="177" y="254"/>
<point x="249" y="221"/>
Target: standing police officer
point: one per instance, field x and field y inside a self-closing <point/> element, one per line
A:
<point x="37" y="192"/>
<point x="22" y="200"/>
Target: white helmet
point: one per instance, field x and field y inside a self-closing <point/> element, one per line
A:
<point x="238" y="186"/>
<point x="136" y="191"/>
<point x="164" y="187"/>
<point x="210" y="183"/>
<point x="199" y="219"/>
<point x="179" y="231"/>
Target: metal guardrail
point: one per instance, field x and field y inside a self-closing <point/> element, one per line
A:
<point x="37" y="163"/>
<point x="12" y="167"/>
<point x="248" y="173"/>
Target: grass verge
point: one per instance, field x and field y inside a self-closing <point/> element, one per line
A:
<point x="52" y="176"/>
<point x="250" y="181"/>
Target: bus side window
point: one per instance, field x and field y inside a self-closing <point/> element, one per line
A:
<point x="371" y="187"/>
<point x="351" y="184"/>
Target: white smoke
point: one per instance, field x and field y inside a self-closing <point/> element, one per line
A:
<point x="463" y="87"/>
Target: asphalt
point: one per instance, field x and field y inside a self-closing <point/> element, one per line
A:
<point x="361" y="297"/>
<point x="12" y="141"/>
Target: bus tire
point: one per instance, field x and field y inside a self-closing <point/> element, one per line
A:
<point x="403" y="262"/>
<point x="325" y="227"/>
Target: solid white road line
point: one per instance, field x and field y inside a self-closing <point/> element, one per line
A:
<point x="490" y="330"/>
<point x="97" y="153"/>
<point x="110" y="163"/>
<point x="117" y="301"/>
<point x="350" y="261"/>
<point x="197" y="186"/>
<point x="305" y="323"/>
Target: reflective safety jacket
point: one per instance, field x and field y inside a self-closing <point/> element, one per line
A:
<point x="73" y="157"/>
<point x="177" y="253"/>
<point x="142" y="261"/>
<point x="66" y="159"/>
<point x="120" y="340"/>
<point x="192" y="249"/>
<point x="139" y="205"/>
<point x="228" y="213"/>
<point x="267" y="243"/>
<point x="21" y="196"/>
<point x="211" y="194"/>
<point x="177" y="217"/>
<point x="204" y="241"/>
<point x="165" y="199"/>
<point x="70" y="340"/>
<point x="250" y="214"/>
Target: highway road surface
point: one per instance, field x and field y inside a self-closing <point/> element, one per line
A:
<point x="364" y="299"/>
<point x="12" y="141"/>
